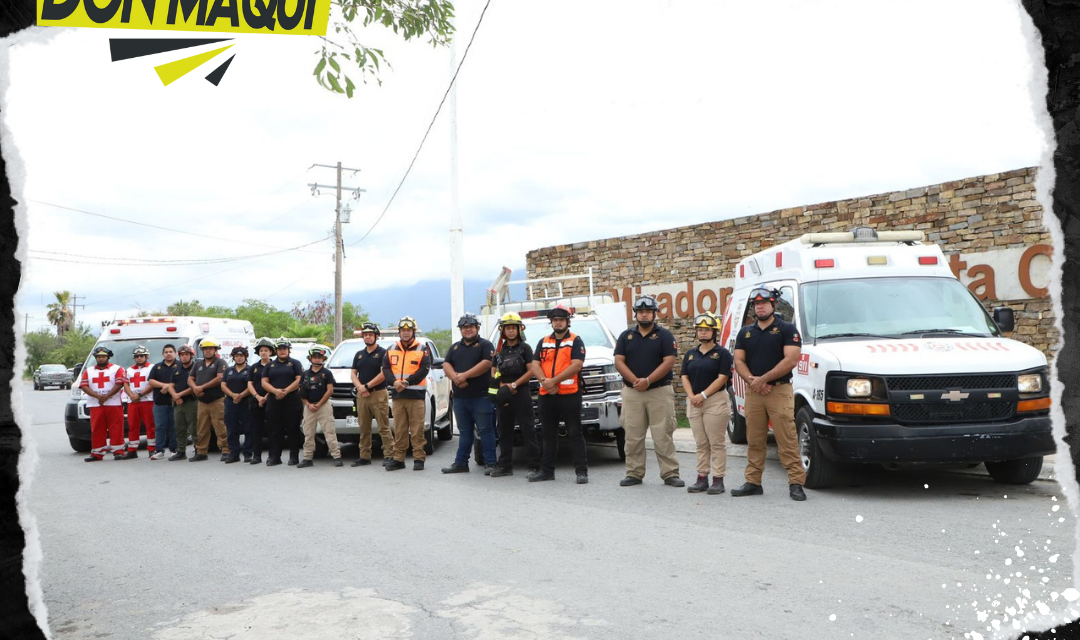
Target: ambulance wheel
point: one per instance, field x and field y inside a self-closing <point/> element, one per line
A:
<point x="736" y="428"/>
<point x="81" y="446"/>
<point x="1022" y="471"/>
<point x="820" y="471"/>
<point x="620" y="443"/>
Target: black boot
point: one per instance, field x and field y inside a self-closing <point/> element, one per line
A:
<point x="748" y="489"/>
<point x="699" y="486"/>
<point x="717" y="486"/>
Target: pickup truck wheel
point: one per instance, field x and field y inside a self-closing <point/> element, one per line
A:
<point x="478" y="453"/>
<point x="37" y="387"/>
<point x="429" y="436"/>
<point x="81" y="446"/>
<point x="736" y="429"/>
<point x="620" y="443"/>
<point x="1022" y="471"/>
<point x="820" y="471"/>
<point x="321" y="448"/>
<point x="447" y="432"/>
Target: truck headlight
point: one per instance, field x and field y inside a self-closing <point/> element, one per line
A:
<point x="612" y="378"/>
<point x="1029" y="383"/>
<point x="859" y="388"/>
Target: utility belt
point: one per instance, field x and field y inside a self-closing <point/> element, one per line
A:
<point x="655" y="385"/>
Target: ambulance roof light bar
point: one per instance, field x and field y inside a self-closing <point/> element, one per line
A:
<point x="861" y="234"/>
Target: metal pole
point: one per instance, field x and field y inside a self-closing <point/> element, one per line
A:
<point x="457" y="257"/>
<point x="337" y="262"/>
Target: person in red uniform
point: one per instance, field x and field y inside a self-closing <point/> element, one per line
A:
<point x="102" y="384"/>
<point x="140" y="404"/>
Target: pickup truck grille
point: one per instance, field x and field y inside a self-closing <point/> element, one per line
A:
<point x="343" y="392"/>
<point x="594" y="380"/>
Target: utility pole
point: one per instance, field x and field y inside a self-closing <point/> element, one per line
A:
<point x="26" y="323"/>
<point x="457" y="258"/>
<point x="337" y="241"/>
<point x="75" y="299"/>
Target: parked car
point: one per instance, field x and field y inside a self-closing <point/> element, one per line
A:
<point x="439" y="418"/>
<point x="52" y="375"/>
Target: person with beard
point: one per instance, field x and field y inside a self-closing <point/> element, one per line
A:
<point x="264" y="348"/>
<point x="207" y="375"/>
<point x="372" y="399"/>
<point x="645" y="356"/>
<point x="557" y="362"/>
<point x="468" y="366"/>
<point x="513" y="400"/>
<point x="102" y="384"/>
<point x="185" y="407"/>
<point x="161" y="376"/>
<point x="405" y="368"/>
<point x="765" y="353"/>
<point x="281" y="380"/>
<point x="706" y="370"/>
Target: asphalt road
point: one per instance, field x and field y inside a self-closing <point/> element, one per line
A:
<point x="169" y="550"/>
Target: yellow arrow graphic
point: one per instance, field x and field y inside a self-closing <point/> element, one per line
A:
<point x="172" y="71"/>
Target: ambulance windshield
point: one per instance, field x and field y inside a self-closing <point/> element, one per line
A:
<point x="122" y="350"/>
<point x="891" y="307"/>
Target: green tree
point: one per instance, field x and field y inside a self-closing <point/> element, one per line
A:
<point x="410" y="19"/>
<point x="61" y="313"/>
<point x="266" y="320"/>
<point x="317" y="331"/>
<point x="218" y="311"/>
<point x="181" y="308"/>
<point x="441" y="338"/>
<point x="74" y="346"/>
<point x="39" y="344"/>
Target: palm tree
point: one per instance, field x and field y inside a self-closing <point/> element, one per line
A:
<point x="61" y="314"/>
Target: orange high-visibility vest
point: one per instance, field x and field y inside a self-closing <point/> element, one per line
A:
<point x="555" y="358"/>
<point x="406" y="361"/>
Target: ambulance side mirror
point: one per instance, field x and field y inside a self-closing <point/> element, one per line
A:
<point x="76" y="371"/>
<point x="1003" y="317"/>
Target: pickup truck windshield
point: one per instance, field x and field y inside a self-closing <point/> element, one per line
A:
<point x="592" y="334"/>
<point x="891" y="307"/>
<point x="53" y="368"/>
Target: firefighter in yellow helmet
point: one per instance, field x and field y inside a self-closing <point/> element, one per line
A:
<point x="513" y="400"/>
<point x="405" y="368"/>
<point x="706" y="370"/>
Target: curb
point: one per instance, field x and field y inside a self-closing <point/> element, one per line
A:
<point x="684" y="443"/>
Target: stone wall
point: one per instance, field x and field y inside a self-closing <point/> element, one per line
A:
<point x="970" y="216"/>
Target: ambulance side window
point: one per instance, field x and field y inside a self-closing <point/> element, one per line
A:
<point x="785" y="306"/>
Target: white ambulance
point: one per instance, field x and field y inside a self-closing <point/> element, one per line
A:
<point x="900" y="363"/>
<point x="122" y="336"/>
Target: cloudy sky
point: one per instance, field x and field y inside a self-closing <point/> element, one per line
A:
<point x="576" y="121"/>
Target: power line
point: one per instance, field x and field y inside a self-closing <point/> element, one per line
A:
<point x="209" y="275"/>
<point x="154" y="226"/>
<point x="151" y="262"/>
<point x="430" y="125"/>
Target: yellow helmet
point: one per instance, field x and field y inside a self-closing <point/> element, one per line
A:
<point x="407" y="322"/>
<point x="209" y="342"/>
<point x="707" y="320"/>
<point x="511" y="319"/>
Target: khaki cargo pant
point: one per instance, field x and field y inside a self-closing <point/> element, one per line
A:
<point x="312" y="419"/>
<point x="211" y="413"/>
<point x="375" y="407"/>
<point x="779" y="407"/>
<point x="652" y="411"/>
<point x="409" y="422"/>
<point x="709" y="425"/>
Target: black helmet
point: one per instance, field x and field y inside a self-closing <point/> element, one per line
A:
<point x="103" y="351"/>
<point x="241" y="350"/>
<point x="370" y="327"/>
<point x="645" y="303"/>
<point x="264" y="342"/>
<point x="560" y="311"/>
<point x="762" y="294"/>
<point x="467" y="320"/>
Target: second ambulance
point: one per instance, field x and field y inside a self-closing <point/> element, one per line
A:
<point x="900" y="363"/>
